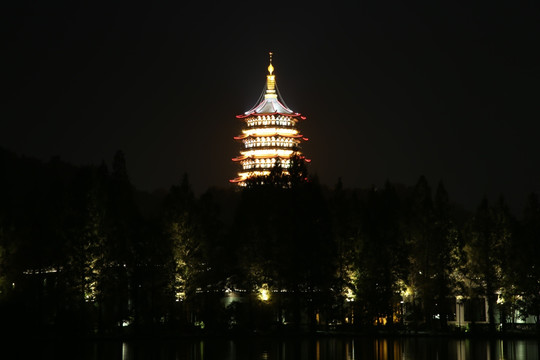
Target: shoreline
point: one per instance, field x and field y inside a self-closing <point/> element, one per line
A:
<point x="238" y="335"/>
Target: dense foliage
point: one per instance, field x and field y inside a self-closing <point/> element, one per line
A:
<point x="82" y="251"/>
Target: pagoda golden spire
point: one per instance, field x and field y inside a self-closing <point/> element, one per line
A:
<point x="270" y="81"/>
<point x="270" y="67"/>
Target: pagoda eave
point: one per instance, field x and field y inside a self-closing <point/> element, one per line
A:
<point x="275" y="156"/>
<point x="243" y="116"/>
<point x="298" y="136"/>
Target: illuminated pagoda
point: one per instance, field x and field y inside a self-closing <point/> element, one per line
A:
<point x="271" y="141"/>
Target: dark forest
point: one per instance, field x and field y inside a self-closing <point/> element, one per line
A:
<point x="84" y="252"/>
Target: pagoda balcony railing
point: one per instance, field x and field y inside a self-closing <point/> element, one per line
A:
<point x="263" y="124"/>
<point x="258" y="167"/>
<point x="286" y="146"/>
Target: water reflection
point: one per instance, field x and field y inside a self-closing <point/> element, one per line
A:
<point x="294" y="348"/>
<point x="125" y="351"/>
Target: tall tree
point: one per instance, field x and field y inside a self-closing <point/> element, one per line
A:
<point x="489" y="235"/>
<point x="182" y="229"/>
<point x="449" y="262"/>
<point x="382" y="262"/>
<point x="526" y="260"/>
<point x="123" y="225"/>
<point x="85" y="249"/>
<point x="423" y="251"/>
<point x="346" y="217"/>
<point x="122" y="212"/>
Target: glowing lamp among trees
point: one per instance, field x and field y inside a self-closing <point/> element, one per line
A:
<point x="264" y="293"/>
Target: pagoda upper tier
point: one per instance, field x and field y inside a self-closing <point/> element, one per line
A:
<point x="269" y="136"/>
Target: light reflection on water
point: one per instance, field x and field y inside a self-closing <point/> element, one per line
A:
<point x="125" y="351"/>
<point x="294" y="348"/>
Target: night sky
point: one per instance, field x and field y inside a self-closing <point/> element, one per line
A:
<point x="391" y="90"/>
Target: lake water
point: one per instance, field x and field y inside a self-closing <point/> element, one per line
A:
<point x="324" y="348"/>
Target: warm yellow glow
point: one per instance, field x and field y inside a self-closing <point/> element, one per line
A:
<point x="90" y="292"/>
<point x="179" y="287"/>
<point x="270" y="120"/>
<point x="245" y="175"/>
<point x="349" y="294"/>
<point x="270" y="81"/>
<point x="264" y="293"/>
<point x="270" y="67"/>
<point x="180" y="295"/>
<point x="407" y="292"/>
<point x="269" y="137"/>
<point x="90" y="282"/>
<point x="265" y="163"/>
<point x="274" y="141"/>
<point x="270" y="132"/>
<point x="264" y="153"/>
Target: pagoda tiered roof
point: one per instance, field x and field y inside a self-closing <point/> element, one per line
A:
<point x="269" y="134"/>
<point x="270" y="106"/>
<point x="245" y="136"/>
<point x="253" y="113"/>
<point x="271" y="103"/>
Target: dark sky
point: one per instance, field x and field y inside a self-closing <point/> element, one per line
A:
<point x="391" y="90"/>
